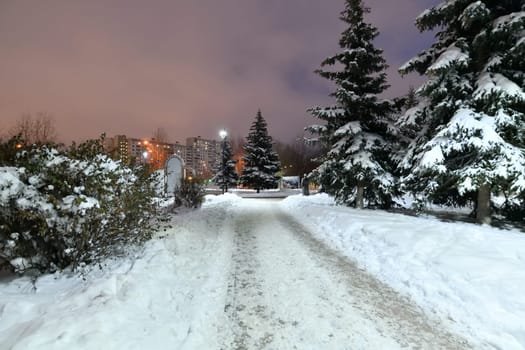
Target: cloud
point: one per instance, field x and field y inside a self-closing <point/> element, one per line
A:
<point x="191" y="67"/>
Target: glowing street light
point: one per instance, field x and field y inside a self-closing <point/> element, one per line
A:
<point x="223" y="133"/>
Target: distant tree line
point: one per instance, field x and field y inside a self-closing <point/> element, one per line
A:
<point x="34" y="129"/>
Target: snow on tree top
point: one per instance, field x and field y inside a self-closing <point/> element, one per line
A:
<point x="433" y="157"/>
<point x="421" y="58"/>
<point x="405" y="66"/>
<point x="472" y="13"/>
<point x="410" y="116"/>
<point x="357" y="51"/>
<point x="331" y="112"/>
<point x="362" y="159"/>
<point x="476" y="130"/>
<point x="489" y="82"/>
<point x="494" y="61"/>
<point x="352" y="128"/>
<point x="438" y="8"/>
<point x="452" y="55"/>
<point x="469" y="123"/>
<point x="425" y="13"/>
<point x="503" y="22"/>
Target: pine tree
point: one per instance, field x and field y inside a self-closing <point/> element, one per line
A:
<point x="469" y="134"/>
<point x="226" y="175"/>
<point x="411" y="100"/>
<point x="357" y="127"/>
<point x="261" y="163"/>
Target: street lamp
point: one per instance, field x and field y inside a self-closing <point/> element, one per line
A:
<point x="145" y="157"/>
<point x="224" y="186"/>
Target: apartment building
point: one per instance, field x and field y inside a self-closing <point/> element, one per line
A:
<point x="118" y="147"/>
<point x="201" y="156"/>
<point x="153" y="152"/>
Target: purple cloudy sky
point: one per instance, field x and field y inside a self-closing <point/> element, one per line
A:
<point x="188" y="66"/>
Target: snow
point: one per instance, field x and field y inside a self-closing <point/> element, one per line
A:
<point x="503" y="22"/>
<point x="172" y="293"/>
<point x="475" y="10"/>
<point x="432" y="158"/>
<point x="327" y="112"/>
<point x="154" y="299"/>
<point x="404" y="67"/>
<point x="79" y="204"/>
<point x="452" y="55"/>
<point x="411" y="116"/>
<point x="10" y="183"/>
<point x="466" y="130"/>
<point x="286" y="292"/>
<point x="491" y="82"/>
<point x="351" y="128"/>
<point x="11" y="186"/>
<point x="471" y="276"/>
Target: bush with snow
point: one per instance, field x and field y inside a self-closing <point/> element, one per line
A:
<point x="190" y="194"/>
<point x="68" y="208"/>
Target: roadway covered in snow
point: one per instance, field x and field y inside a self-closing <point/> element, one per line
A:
<point x="289" y="291"/>
<point x="269" y="274"/>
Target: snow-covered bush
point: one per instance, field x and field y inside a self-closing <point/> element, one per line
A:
<point x="190" y="194"/>
<point x="66" y="208"/>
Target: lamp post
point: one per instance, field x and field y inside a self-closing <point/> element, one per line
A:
<point x="224" y="185"/>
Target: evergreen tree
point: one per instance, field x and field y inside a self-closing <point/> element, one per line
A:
<point x="226" y="175"/>
<point x="411" y="100"/>
<point x="468" y="134"/>
<point x="261" y="163"/>
<point x="357" y="128"/>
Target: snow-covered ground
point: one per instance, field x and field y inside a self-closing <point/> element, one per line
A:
<point x="288" y="290"/>
<point x="176" y="292"/>
<point x="470" y="276"/>
<point x="154" y="300"/>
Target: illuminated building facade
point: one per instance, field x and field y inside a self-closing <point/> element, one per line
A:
<point x="118" y="147"/>
<point x="201" y="156"/>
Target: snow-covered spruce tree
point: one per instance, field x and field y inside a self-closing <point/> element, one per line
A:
<point x="261" y="162"/>
<point x="226" y="175"/>
<point x="469" y="131"/>
<point x="356" y="131"/>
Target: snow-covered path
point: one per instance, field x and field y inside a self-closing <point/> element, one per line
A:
<point x="244" y="274"/>
<point x="289" y="291"/>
